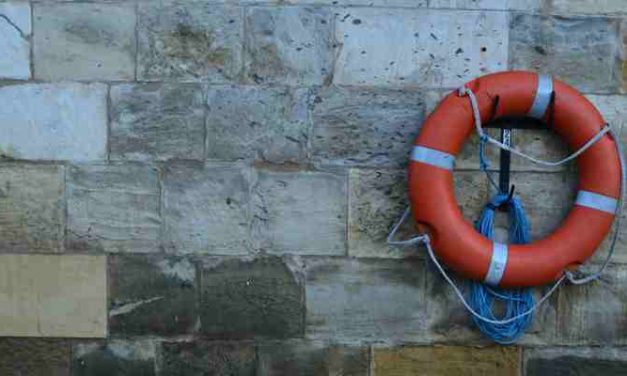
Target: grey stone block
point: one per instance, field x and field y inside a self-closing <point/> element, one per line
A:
<point x="15" y="35"/>
<point x="582" y="51"/>
<point x="289" y="45"/>
<point x="208" y="358"/>
<point x="252" y="122"/>
<point x="31" y="208"/>
<point x="580" y="361"/>
<point x="365" y="127"/>
<point x="35" y="357"/>
<point x="154" y="121"/>
<point x="152" y="295"/>
<point x="189" y="41"/>
<point x="297" y="357"/>
<point x="300" y="212"/>
<point x="366" y="300"/>
<point x="250" y="298"/>
<point x="206" y="208"/>
<point x="115" y="357"/>
<point x="113" y="208"/>
<point x="84" y="41"/>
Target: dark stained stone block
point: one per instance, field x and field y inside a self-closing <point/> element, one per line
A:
<point x="575" y="361"/>
<point x="34" y="357"/>
<point x="115" y="358"/>
<point x="202" y="358"/>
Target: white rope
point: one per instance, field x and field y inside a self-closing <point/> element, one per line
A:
<point x="415" y="240"/>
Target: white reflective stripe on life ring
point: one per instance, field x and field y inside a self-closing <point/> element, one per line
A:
<point x="597" y="201"/>
<point x="497" y="264"/>
<point x="433" y="157"/>
<point x="543" y="96"/>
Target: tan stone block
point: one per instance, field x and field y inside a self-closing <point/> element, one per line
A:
<point x="447" y="361"/>
<point x="53" y="296"/>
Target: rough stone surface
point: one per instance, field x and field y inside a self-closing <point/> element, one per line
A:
<point x="311" y="358"/>
<point x="301" y="213"/>
<point x="15" y="34"/>
<point x="31" y="208"/>
<point x="34" y="357"/>
<point x="153" y="121"/>
<point x="289" y="45"/>
<point x="208" y="358"/>
<point x="575" y="361"/>
<point x="380" y="300"/>
<point x="399" y="47"/>
<point x="70" y="121"/>
<point x="585" y="6"/>
<point x="595" y="313"/>
<point x="261" y="297"/>
<point x="58" y="296"/>
<point x="447" y="361"/>
<point x="113" y="208"/>
<point x="264" y="123"/>
<point x="84" y="41"/>
<point x="577" y="50"/>
<point x="206" y="208"/>
<point x="391" y="3"/>
<point x="527" y="5"/>
<point x="189" y="41"/>
<point x="116" y="357"/>
<point x="353" y="126"/>
<point x="152" y="295"/>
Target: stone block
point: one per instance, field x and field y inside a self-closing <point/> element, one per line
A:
<point x="365" y="300"/>
<point x="298" y="357"/>
<point x="152" y="295"/>
<point x="15" y="35"/>
<point x="253" y="122"/>
<point x="154" y="121"/>
<point x="586" y="7"/>
<point x="53" y="296"/>
<point x="69" y="123"/>
<point x="206" y="208"/>
<point x="289" y="45"/>
<point x="31" y="208"/>
<point x="300" y="212"/>
<point x="113" y="208"/>
<point x="580" y="361"/>
<point x="35" y="357"/>
<point x="369" y="3"/>
<point x="365" y="127"/>
<point x="208" y="358"/>
<point x="526" y="5"/>
<point x="446" y="360"/>
<point x="189" y="41"/>
<point x="116" y="357"/>
<point x="581" y="51"/>
<point x="84" y="41"/>
<point x="426" y="48"/>
<point x="250" y="298"/>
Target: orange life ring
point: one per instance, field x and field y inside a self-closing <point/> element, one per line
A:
<point x="436" y="211"/>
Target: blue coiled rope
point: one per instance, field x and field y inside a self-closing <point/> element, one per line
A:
<point x="484" y="298"/>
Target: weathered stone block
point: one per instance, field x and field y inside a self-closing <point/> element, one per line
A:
<point x="527" y="5"/>
<point x="69" y="123"/>
<point x="353" y="126"/>
<point x="595" y="313"/>
<point x="289" y="45"/>
<point x="591" y="361"/>
<point x="116" y="357"/>
<point x="264" y="123"/>
<point x="35" y="357"/>
<point x="194" y="41"/>
<point x="154" y="121"/>
<point x="53" y="296"/>
<point x="84" y="41"/>
<point x="447" y="360"/>
<point x="31" y="208"/>
<point x="245" y="298"/>
<point x="404" y="48"/>
<point x="206" y="208"/>
<point x="587" y="7"/>
<point x="113" y="208"/>
<point x="300" y="212"/>
<point x="152" y="295"/>
<point x="543" y="144"/>
<point x="580" y="51"/>
<point x="208" y="358"/>
<point x="369" y="300"/>
<point x="298" y="357"/>
<point x="15" y="34"/>
<point x="390" y="3"/>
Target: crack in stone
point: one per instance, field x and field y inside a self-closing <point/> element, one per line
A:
<point x="8" y="20"/>
<point x="127" y="308"/>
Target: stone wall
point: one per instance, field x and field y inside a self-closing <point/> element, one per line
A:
<point x="204" y="188"/>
